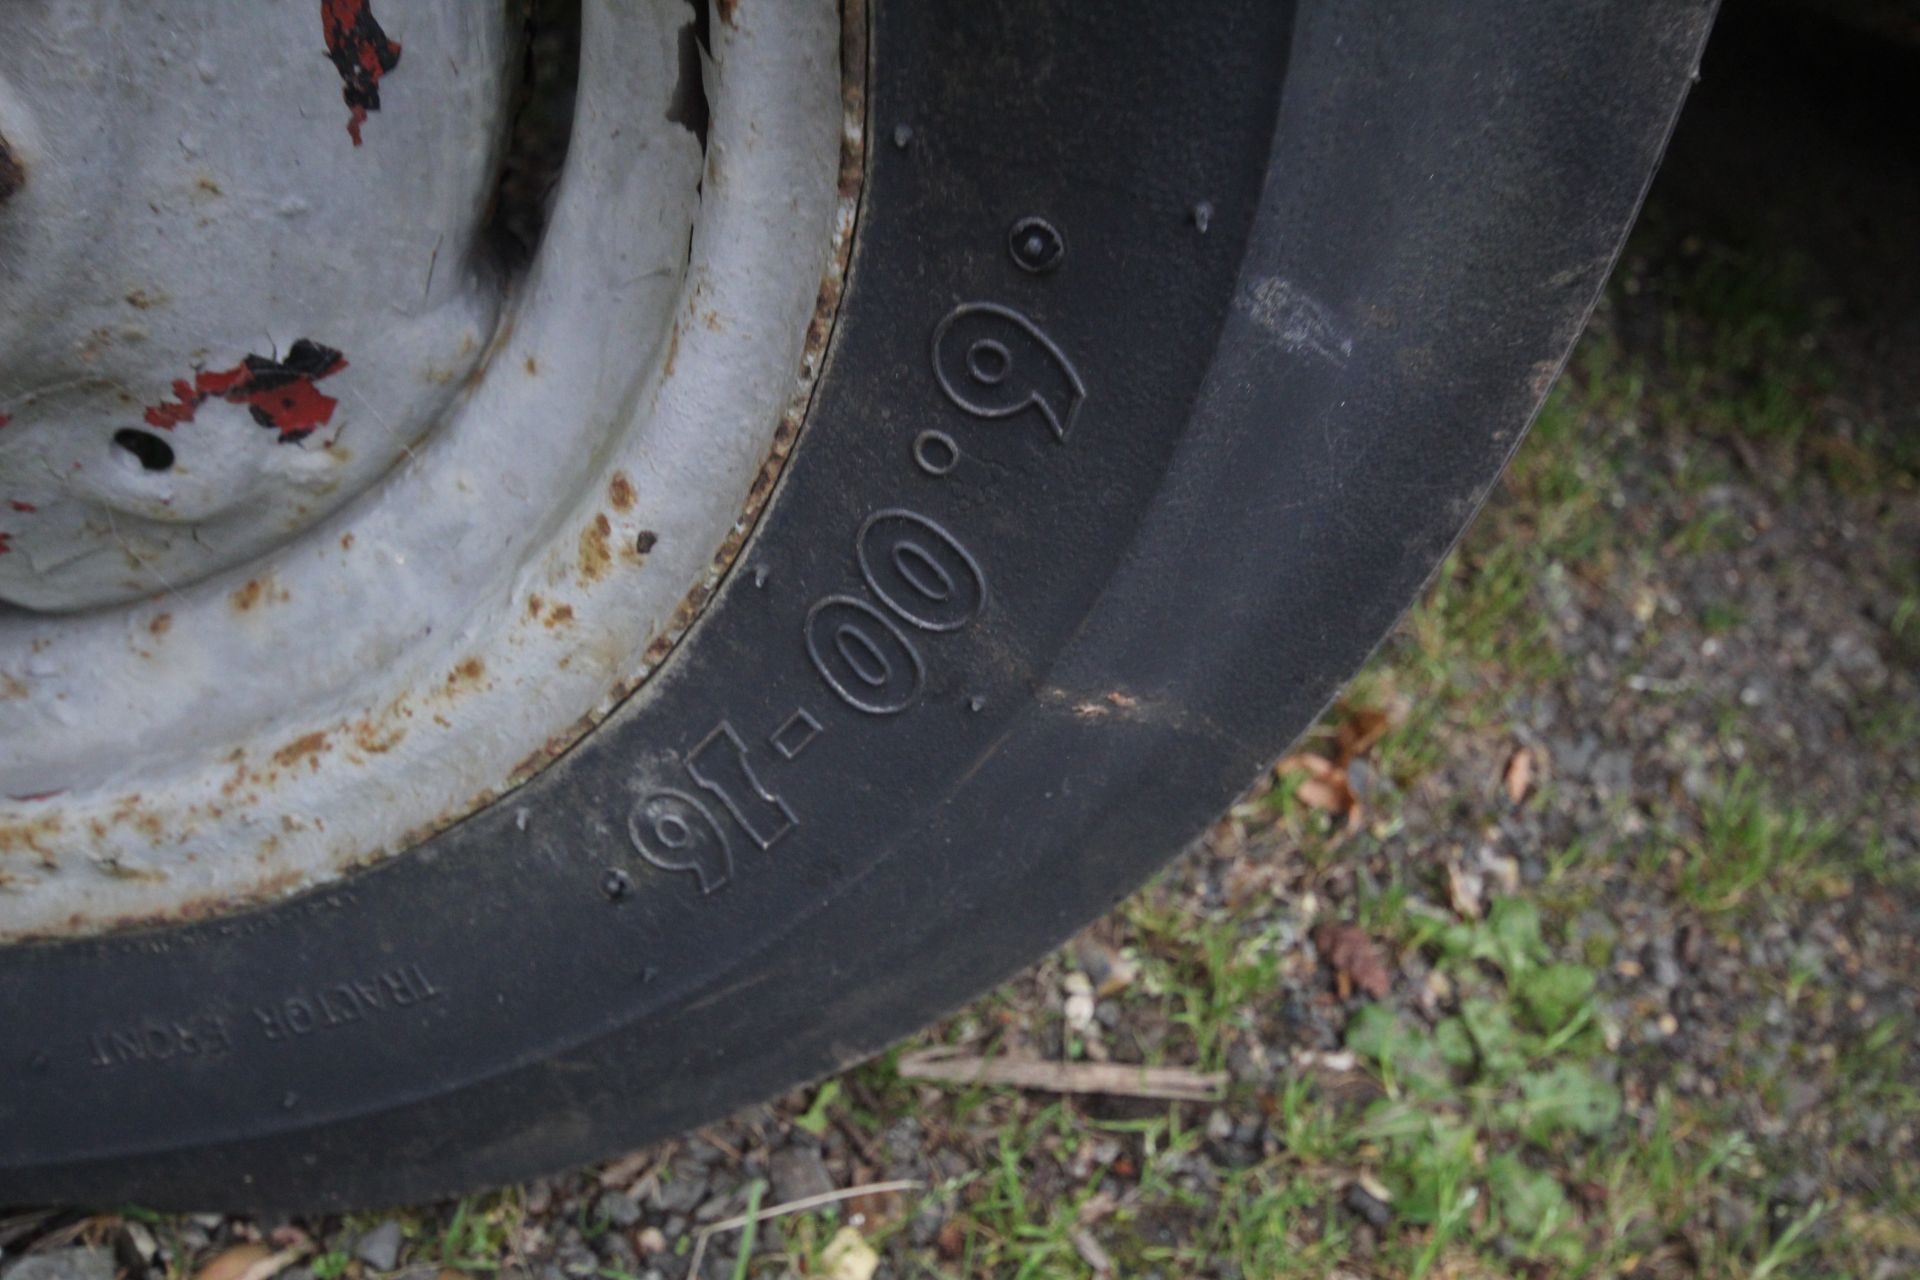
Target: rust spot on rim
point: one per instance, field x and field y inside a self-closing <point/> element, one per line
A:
<point x="471" y="674"/>
<point x="25" y="837"/>
<point x="596" y="549"/>
<point x="309" y="747"/>
<point x="621" y="492"/>
<point x="261" y="590"/>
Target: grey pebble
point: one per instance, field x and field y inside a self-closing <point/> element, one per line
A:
<point x="798" y="1172"/>
<point x="62" y="1264"/>
<point x="903" y="1139"/>
<point x="679" y="1193"/>
<point x="618" y="1208"/>
<point x="380" y="1247"/>
<point x="723" y="1205"/>
<point x="1362" y="1204"/>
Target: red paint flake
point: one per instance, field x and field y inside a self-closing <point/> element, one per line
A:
<point x="25" y="507"/>
<point x="33" y="796"/>
<point x="361" y="53"/>
<point x="6" y="544"/>
<point x="279" y="394"/>
<point x="5" y="418"/>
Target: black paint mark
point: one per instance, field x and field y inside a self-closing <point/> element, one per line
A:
<point x="688" y="107"/>
<point x="12" y="176"/>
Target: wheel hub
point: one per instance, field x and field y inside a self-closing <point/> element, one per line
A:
<point x="326" y="518"/>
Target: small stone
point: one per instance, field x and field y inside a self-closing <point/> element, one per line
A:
<point x="1366" y="1206"/>
<point x="720" y="1205"/>
<point x="1079" y="1006"/>
<point x="380" y="1247"/>
<point x="649" y="1241"/>
<point x="679" y="1193"/>
<point x="798" y="1172"/>
<point x="617" y="1208"/>
<point x="62" y="1264"/>
<point x="903" y="1139"/>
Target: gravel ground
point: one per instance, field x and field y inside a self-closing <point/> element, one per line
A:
<point x="1580" y="939"/>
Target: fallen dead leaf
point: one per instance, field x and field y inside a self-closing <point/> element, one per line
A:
<point x="251" y="1262"/>
<point x="1519" y="774"/>
<point x="1098" y="1206"/>
<point x="1358" y="732"/>
<point x="1374" y="1187"/>
<point x="1090" y="1251"/>
<point x="1355" y="960"/>
<point x="1465" y="892"/>
<point x="624" y="1172"/>
<point x="1325" y="787"/>
<point x="848" y="1256"/>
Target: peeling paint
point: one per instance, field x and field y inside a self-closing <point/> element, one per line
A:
<point x="278" y="394"/>
<point x="361" y="53"/>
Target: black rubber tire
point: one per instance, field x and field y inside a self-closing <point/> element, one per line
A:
<point x="1320" y="266"/>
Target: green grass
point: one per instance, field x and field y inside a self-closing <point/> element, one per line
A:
<point x="1749" y="842"/>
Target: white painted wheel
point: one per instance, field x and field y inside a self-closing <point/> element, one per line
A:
<point x="324" y="519"/>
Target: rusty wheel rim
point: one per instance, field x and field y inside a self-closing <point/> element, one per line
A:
<point x="327" y="520"/>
